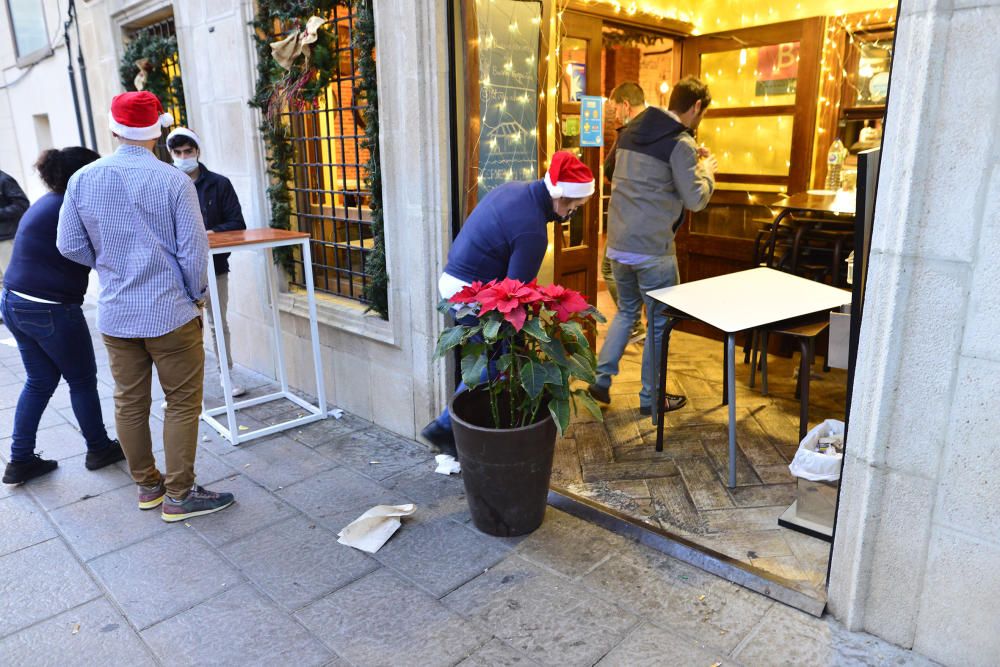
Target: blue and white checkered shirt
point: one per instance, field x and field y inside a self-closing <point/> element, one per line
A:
<point x="137" y="221"/>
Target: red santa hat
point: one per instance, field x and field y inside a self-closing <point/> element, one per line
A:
<point x="138" y="116"/>
<point x="568" y="177"/>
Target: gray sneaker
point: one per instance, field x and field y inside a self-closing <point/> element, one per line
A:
<point x="150" y="497"/>
<point x="199" y="501"/>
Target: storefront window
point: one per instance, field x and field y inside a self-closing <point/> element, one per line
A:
<point x="760" y="146"/>
<point x="752" y="77"/>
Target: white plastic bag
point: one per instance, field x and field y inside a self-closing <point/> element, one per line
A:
<point x="810" y="464"/>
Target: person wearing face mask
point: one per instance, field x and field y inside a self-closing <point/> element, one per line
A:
<point x="506" y="237"/>
<point x="220" y="207"/>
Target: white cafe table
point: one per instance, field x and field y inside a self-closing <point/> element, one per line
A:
<point x="263" y="240"/>
<point x="733" y="303"/>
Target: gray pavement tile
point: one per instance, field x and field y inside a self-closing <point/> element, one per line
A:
<point x="549" y="618"/>
<point x="788" y="636"/>
<point x="107" y="413"/>
<point x="650" y="646"/>
<point x="50" y="417"/>
<point x="92" y="634"/>
<point x="39" y="582"/>
<point x="71" y="482"/>
<point x="254" y="507"/>
<point x="338" y="496"/>
<point x="376" y="452"/>
<point x="324" y="431"/>
<point x="239" y="627"/>
<point x="208" y="468"/>
<point x="570" y="545"/>
<point x="381" y="620"/>
<point x="104" y="523"/>
<point x="296" y="562"/>
<point x="440" y="555"/>
<point x="8" y="377"/>
<point x="163" y="575"/>
<point x="59" y="442"/>
<point x="496" y="654"/>
<point x="675" y="595"/>
<point x="277" y="462"/>
<point x="61" y="399"/>
<point x="23" y="524"/>
<point x="440" y="494"/>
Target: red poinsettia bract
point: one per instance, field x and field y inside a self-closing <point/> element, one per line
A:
<point x="509" y="297"/>
<point x="565" y="302"/>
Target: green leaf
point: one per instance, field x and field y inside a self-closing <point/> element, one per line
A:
<point x="559" y="409"/>
<point x="448" y="339"/>
<point x="472" y="369"/>
<point x="504" y="362"/>
<point x="533" y="379"/>
<point x="555" y="351"/>
<point x="553" y="375"/>
<point x="533" y="327"/>
<point x="593" y="408"/>
<point x="575" y="331"/>
<point x="582" y="368"/>
<point x="491" y="329"/>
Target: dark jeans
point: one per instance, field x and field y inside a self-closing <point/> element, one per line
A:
<point x="444" y="419"/>
<point x="54" y="340"/>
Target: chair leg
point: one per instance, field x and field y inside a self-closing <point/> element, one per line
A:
<point x="763" y="363"/>
<point x="804" y="345"/>
<point x="725" y="372"/>
<point x="754" y="338"/>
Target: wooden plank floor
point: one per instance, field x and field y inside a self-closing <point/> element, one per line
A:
<point x="682" y="490"/>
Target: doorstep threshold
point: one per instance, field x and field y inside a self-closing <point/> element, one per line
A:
<point x="730" y="569"/>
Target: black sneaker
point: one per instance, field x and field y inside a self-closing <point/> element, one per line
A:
<point x="673" y="402"/>
<point x="198" y="502"/>
<point x="440" y="438"/>
<point x="99" y="458"/>
<point x="599" y="393"/>
<point x="19" y="472"/>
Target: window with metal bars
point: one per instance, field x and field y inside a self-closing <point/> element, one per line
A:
<point x="173" y="98"/>
<point x="330" y="193"/>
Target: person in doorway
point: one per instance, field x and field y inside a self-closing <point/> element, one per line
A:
<point x="13" y="204"/>
<point x="506" y="237"/>
<point x="41" y="304"/>
<point x="220" y="209"/>
<point x="659" y="173"/>
<point x="137" y="221"/>
<point x="625" y="103"/>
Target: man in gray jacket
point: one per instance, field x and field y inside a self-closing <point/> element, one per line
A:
<point x="659" y="173"/>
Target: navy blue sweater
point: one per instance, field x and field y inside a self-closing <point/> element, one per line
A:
<point x="36" y="267"/>
<point x="505" y="236"/>
<point x="220" y="208"/>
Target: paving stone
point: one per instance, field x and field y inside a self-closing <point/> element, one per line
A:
<point x="107" y="522"/>
<point x="337" y="497"/>
<point x="239" y="627"/>
<point x="324" y="431"/>
<point x="71" y="482"/>
<point x="255" y="507"/>
<point x="549" y="618"/>
<point x="649" y="645"/>
<point x="381" y="620"/>
<point x="208" y="468"/>
<point x="277" y="462"/>
<point x="24" y="524"/>
<point x="39" y="582"/>
<point x="440" y="555"/>
<point x="92" y="634"/>
<point x="61" y="398"/>
<point x="107" y="413"/>
<point x="163" y="575"/>
<point x="297" y="561"/>
<point x="375" y="452"/>
<point x="50" y="417"/>
<point x="496" y="654"/>
<point x="442" y="495"/>
<point x="59" y="442"/>
<point x="569" y="545"/>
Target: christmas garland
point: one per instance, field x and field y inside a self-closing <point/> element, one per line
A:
<point x="307" y="76"/>
<point x="143" y="68"/>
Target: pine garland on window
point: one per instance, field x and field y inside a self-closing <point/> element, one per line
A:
<point x="300" y="87"/>
<point x="152" y="51"/>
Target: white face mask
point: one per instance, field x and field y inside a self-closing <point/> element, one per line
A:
<point x="186" y="164"/>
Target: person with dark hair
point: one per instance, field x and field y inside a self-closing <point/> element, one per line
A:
<point x="220" y="207"/>
<point x="41" y="304"/>
<point x="659" y="173"/>
<point x="13" y="204"/>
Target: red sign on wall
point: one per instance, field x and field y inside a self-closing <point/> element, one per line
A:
<point x="778" y="61"/>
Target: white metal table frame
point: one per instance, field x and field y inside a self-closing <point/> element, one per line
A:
<point x="316" y="412"/>
<point x="733" y="303"/>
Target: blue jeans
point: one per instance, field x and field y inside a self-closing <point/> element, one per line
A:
<point x="444" y="419"/>
<point x="54" y="341"/>
<point x="634" y="282"/>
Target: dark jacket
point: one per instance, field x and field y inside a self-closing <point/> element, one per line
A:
<point x="13" y="204"/>
<point x="220" y="207"/>
<point x="656" y="177"/>
<point x="36" y="266"/>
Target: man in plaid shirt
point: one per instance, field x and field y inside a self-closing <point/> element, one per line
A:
<point x="136" y="220"/>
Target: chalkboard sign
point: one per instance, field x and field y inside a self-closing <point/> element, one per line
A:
<point x="508" y="32"/>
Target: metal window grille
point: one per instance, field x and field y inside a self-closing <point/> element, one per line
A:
<point x="330" y="194"/>
<point x="173" y="103"/>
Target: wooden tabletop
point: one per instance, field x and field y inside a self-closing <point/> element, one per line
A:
<point x="838" y="203"/>
<point x="251" y="236"/>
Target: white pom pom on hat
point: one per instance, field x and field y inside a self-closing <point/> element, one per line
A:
<point x="568" y="177"/>
<point x="138" y="116"/>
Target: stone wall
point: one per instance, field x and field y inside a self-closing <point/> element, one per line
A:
<point x="917" y="555"/>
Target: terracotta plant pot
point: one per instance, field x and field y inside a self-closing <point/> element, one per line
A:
<point x="506" y="471"/>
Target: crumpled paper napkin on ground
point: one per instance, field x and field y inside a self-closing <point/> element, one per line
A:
<point x="374" y="528"/>
<point x="447" y="465"/>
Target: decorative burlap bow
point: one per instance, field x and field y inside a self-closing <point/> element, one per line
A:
<point x="297" y="43"/>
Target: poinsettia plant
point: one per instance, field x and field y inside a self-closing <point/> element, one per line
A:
<point x="524" y="344"/>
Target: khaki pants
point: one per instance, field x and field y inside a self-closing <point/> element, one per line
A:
<point x="223" y="282"/>
<point x="180" y="363"/>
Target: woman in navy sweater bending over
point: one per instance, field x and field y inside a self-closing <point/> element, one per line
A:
<point x="506" y="237"/>
<point x="41" y="305"/>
